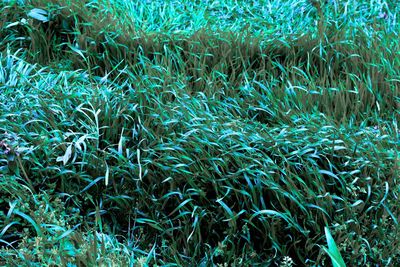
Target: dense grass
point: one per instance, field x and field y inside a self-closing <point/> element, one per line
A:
<point x="186" y="133"/>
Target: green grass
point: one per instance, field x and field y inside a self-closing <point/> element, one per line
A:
<point x="199" y="133"/>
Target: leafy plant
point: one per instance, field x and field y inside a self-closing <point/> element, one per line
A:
<point x="332" y="250"/>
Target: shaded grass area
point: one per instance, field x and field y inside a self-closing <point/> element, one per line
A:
<point x="197" y="147"/>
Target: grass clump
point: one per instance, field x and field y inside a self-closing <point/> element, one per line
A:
<point x="205" y="135"/>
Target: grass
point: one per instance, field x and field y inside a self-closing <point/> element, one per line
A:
<point x="210" y="133"/>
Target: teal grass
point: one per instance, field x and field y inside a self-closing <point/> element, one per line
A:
<point x="199" y="133"/>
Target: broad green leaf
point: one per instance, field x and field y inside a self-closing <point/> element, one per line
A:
<point x="333" y="251"/>
<point x="39" y="14"/>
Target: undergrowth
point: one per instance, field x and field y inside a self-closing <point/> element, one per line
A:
<point x="215" y="133"/>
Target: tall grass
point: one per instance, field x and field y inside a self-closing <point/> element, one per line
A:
<point x="180" y="134"/>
